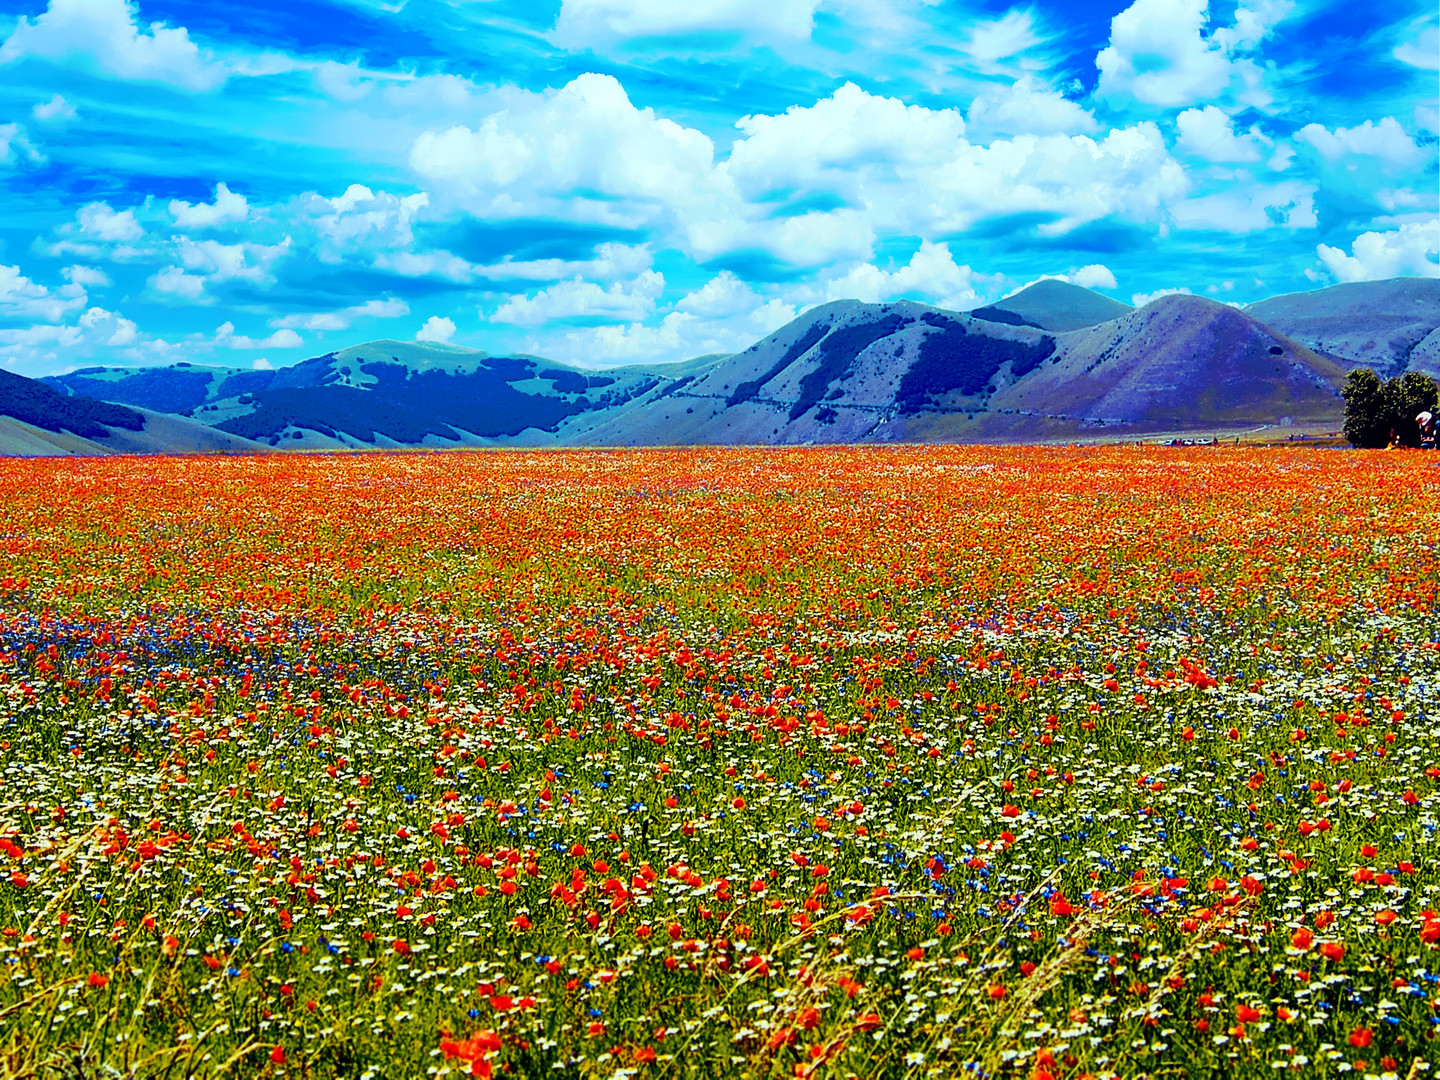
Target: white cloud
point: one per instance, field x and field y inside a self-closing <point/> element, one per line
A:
<point x="837" y="141"/>
<point x="578" y="298"/>
<point x="583" y="151"/>
<point x="586" y="22"/>
<point x="1160" y="54"/>
<point x="611" y="261"/>
<point x="282" y="339"/>
<point x="57" y="108"/>
<point x="725" y="294"/>
<point x="811" y="186"/>
<point x="993" y="40"/>
<point x="931" y="274"/>
<point x="436" y="329"/>
<point x="1386" y="140"/>
<point x="1411" y="250"/>
<point x="226" y="262"/>
<point x="439" y="264"/>
<point x="678" y="336"/>
<point x="1244" y="208"/>
<point x="86" y="276"/>
<point x="228" y="207"/>
<point x="25" y="338"/>
<point x="97" y="219"/>
<point x="1420" y="44"/>
<point x="103" y="35"/>
<point x="175" y="282"/>
<point x="360" y="219"/>
<point x="1141" y="299"/>
<point x="23" y="299"/>
<point x="1129" y="174"/>
<point x="14" y="142"/>
<point x="1028" y="107"/>
<point x="110" y="328"/>
<point x="1094" y="276"/>
<point x="1208" y="134"/>
<point x="341" y="320"/>
<point x="1255" y="20"/>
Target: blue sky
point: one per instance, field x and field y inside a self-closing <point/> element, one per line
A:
<point x="608" y="181"/>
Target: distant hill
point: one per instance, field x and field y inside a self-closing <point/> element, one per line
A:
<point x="38" y="420"/>
<point x="1054" y="305"/>
<point x="381" y="393"/>
<point x="852" y="372"/>
<point x="1391" y="326"/>
<point x="1053" y="362"/>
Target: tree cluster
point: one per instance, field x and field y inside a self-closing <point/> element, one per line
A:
<point x="1379" y="414"/>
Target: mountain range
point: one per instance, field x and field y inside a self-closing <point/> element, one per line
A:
<point x="1052" y="362"/>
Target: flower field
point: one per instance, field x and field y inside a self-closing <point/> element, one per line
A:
<point x="837" y="762"/>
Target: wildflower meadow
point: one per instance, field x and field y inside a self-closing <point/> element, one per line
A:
<point x="884" y="762"/>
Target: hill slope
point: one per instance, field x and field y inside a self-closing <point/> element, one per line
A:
<point x="850" y="372"/>
<point x="382" y="393"/>
<point x="842" y="372"/>
<point x="38" y="420"/>
<point x="1390" y="326"/>
<point x="1054" y="305"/>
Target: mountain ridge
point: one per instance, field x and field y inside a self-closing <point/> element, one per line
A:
<point x="844" y="371"/>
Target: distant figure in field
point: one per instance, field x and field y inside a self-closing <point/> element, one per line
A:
<point x="1426" y="423"/>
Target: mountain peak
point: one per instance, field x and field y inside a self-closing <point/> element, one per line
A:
<point x="1054" y="305"/>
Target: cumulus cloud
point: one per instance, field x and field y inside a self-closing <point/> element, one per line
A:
<point x="1094" y="276"/>
<point x="611" y="261"/>
<point x="174" y="283"/>
<point x="360" y="219"/>
<point x="1028" y="106"/>
<point x="23" y="299"/>
<point x="225" y="262"/>
<point x="1412" y="249"/>
<point x="583" y="151"/>
<point x="1386" y="140"/>
<point x="57" y="108"/>
<point x="833" y="142"/>
<point x="103" y="36"/>
<point x="227" y="208"/>
<point x="282" y="339"/>
<point x="39" y="347"/>
<point x="1161" y="54"/>
<point x="588" y="22"/>
<point x="15" y="145"/>
<point x="1128" y="173"/>
<point x="1209" y="134"/>
<point x="578" y="298"/>
<point x="679" y="335"/>
<point x="1141" y="299"/>
<point x="98" y="220"/>
<point x="1420" y="44"/>
<point x="811" y="186"/>
<point x="86" y="276"/>
<point x="1245" y="208"/>
<point x="992" y="41"/>
<point x="109" y="328"/>
<point x="341" y="320"/>
<point x="724" y="294"/>
<point x="437" y="329"/>
<point x="931" y="274"/>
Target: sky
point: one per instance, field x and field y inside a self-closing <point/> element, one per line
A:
<point x="634" y="181"/>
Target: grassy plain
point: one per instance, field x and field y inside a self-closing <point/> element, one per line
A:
<point x="836" y="762"/>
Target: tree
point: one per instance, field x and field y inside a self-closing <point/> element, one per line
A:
<point x="1375" y="410"/>
<point x="1367" y="418"/>
<point x="1407" y="397"/>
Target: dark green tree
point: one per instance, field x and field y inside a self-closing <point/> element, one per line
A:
<point x="1405" y="398"/>
<point x="1367" y="414"/>
<point x="1376" y="411"/>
